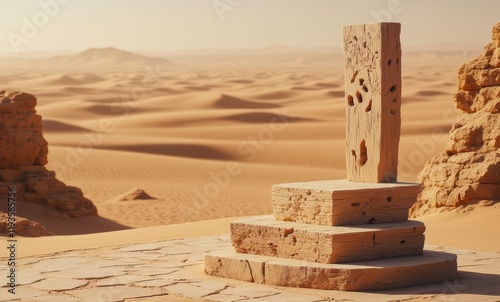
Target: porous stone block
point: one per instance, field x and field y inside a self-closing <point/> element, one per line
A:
<point x="343" y="202"/>
<point x="262" y="235"/>
<point x="431" y="267"/>
<point x="372" y="76"/>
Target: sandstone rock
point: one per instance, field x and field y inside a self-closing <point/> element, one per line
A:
<point x="23" y="155"/>
<point x="372" y="78"/>
<point x="326" y="244"/>
<point x="135" y="194"/>
<point x="432" y="267"/>
<point x="21" y="139"/>
<point x="343" y="202"/>
<point x="468" y="171"/>
<point x="24" y="227"/>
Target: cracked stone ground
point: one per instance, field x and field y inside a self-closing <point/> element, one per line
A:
<point x="173" y="271"/>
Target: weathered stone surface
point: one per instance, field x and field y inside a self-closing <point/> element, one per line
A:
<point x="59" y="284"/>
<point x="468" y="171"/>
<point x="393" y="273"/>
<point x="372" y="77"/>
<point x="21" y="138"/>
<point x="23" y="155"/>
<point x="24" y="227"/>
<point x="326" y="244"/>
<point x="343" y="202"/>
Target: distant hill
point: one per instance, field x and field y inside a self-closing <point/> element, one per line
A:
<point x="107" y="56"/>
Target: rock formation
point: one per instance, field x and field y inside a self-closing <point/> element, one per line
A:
<point x="24" y="227"/>
<point x="135" y="194"/>
<point x="468" y="171"/>
<point x="23" y="154"/>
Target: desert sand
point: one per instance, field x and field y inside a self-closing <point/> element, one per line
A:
<point x="206" y="135"/>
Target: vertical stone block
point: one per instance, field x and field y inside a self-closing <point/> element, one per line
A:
<point x="372" y="75"/>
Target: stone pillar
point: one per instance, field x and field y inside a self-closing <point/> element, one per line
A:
<point x="372" y="75"/>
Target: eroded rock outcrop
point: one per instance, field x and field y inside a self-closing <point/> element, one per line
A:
<point x="23" y="154"/>
<point x="468" y="171"/>
<point x="24" y="227"/>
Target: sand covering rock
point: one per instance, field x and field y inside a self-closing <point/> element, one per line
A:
<point x="468" y="171"/>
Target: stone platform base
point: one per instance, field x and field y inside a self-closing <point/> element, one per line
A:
<point x="431" y="267"/>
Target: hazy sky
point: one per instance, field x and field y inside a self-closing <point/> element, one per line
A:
<point x="179" y="24"/>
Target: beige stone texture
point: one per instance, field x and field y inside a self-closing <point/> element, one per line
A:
<point x="343" y="202"/>
<point x="372" y="77"/>
<point x="326" y="244"/>
<point x="432" y="267"/>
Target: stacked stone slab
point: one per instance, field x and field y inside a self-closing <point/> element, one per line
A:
<point x="349" y="234"/>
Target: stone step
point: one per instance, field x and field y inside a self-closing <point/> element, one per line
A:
<point x="343" y="202"/>
<point x="263" y="235"/>
<point x="431" y="267"/>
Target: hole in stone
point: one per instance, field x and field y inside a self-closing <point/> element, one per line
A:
<point x="355" y="38"/>
<point x="390" y="62"/>
<point x="389" y="199"/>
<point x="397" y="60"/>
<point x="402" y="241"/>
<point x="364" y="44"/>
<point x="354" y="75"/>
<point x="393" y="88"/>
<point x="365" y="89"/>
<point x="288" y="232"/>
<point x="372" y="220"/>
<point x="353" y="153"/>
<point x="394" y="101"/>
<point x="359" y="97"/>
<point x="350" y="100"/>
<point x="393" y="112"/>
<point x="361" y="81"/>
<point x="363" y="155"/>
<point x="369" y="107"/>
<point x="355" y="204"/>
<point x="364" y="214"/>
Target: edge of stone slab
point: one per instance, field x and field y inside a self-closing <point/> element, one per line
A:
<point x="431" y="267"/>
<point x="343" y="185"/>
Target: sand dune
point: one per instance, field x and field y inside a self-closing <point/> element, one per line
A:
<point x="231" y="102"/>
<point x="110" y="55"/>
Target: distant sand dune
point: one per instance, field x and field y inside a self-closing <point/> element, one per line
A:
<point x="430" y="93"/>
<point x="275" y="95"/>
<point x="57" y="126"/>
<point x="264" y="117"/>
<point x="231" y="102"/>
<point x="336" y="93"/>
<point x="179" y="150"/>
<point x="242" y="81"/>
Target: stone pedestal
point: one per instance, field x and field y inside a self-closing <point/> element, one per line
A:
<point x="337" y="235"/>
<point x="349" y="234"/>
